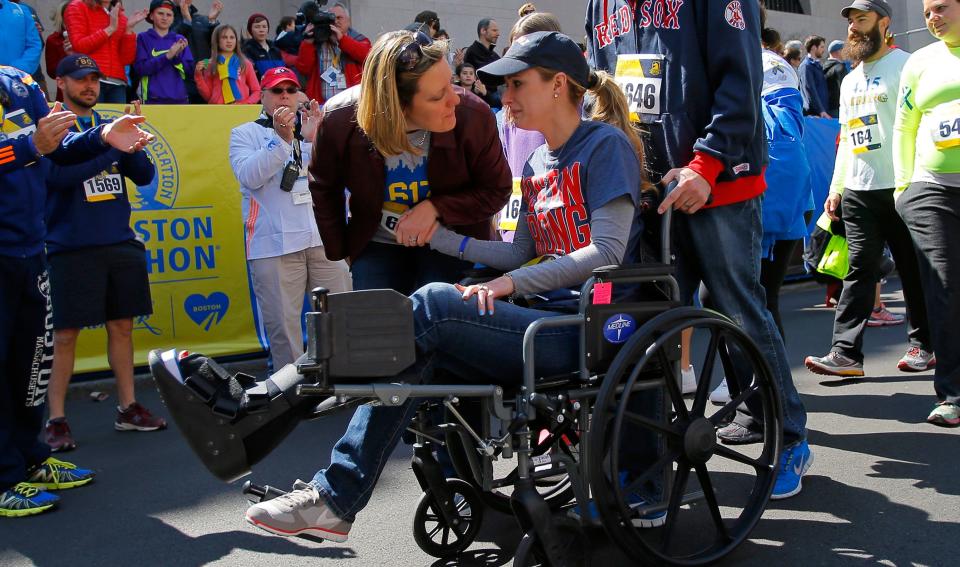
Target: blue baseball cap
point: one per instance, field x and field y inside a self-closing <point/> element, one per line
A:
<point x="77" y="66"/>
<point x="550" y="50"/>
<point x="835" y="45"/>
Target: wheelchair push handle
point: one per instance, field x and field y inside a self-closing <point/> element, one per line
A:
<point x="666" y="228"/>
<point x="318" y="299"/>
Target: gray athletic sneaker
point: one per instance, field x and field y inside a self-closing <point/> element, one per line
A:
<point x="300" y="512"/>
<point x="834" y="364"/>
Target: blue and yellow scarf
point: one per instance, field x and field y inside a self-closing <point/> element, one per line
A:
<point x="228" y="68"/>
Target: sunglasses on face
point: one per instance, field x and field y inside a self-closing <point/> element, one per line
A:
<point x="411" y="53"/>
<point x="281" y="90"/>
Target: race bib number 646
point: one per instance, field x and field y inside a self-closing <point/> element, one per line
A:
<point x="641" y="78"/>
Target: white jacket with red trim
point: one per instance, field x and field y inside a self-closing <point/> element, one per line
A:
<point x="275" y="222"/>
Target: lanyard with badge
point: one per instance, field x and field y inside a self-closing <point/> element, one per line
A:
<point x="106" y="185"/>
<point x="294" y="179"/>
<point x="332" y="74"/>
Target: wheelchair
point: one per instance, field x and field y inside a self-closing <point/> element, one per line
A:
<point x="540" y="450"/>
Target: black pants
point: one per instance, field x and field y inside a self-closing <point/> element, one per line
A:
<point x="772" y="273"/>
<point x="26" y="355"/>
<point x="871" y="220"/>
<point x="932" y="213"/>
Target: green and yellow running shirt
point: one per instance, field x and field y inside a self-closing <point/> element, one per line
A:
<point x="926" y="140"/>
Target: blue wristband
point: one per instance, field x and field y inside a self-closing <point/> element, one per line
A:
<point x="463" y="245"/>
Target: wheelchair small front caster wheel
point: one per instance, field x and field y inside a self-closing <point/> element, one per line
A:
<point x="440" y="538"/>
<point x="573" y="544"/>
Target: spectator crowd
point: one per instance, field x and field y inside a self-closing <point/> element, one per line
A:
<point x="448" y="130"/>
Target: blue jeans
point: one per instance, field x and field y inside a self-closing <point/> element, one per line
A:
<point x="389" y="266"/>
<point x="452" y="336"/>
<point x="721" y="248"/>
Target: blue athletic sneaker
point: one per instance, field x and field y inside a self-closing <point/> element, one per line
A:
<point x="54" y="474"/>
<point x="25" y="500"/>
<point x="651" y="520"/>
<point x="794" y="463"/>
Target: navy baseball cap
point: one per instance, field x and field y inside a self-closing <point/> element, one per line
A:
<point x="77" y="66"/>
<point x="879" y="6"/>
<point x="550" y="50"/>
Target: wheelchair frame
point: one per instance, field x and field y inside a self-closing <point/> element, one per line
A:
<point x="547" y="539"/>
<point x="647" y="360"/>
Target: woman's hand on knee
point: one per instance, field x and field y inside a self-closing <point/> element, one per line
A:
<point x="487" y="293"/>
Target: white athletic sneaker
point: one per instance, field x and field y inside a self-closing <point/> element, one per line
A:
<point x="688" y="380"/>
<point x="721" y="395"/>
<point x="300" y="512"/>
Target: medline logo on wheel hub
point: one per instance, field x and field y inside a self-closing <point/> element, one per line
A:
<point x="619" y="328"/>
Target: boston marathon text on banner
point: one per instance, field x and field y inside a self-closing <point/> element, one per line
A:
<point x="190" y="221"/>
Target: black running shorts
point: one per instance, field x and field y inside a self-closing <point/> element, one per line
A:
<point x="91" y="286"/>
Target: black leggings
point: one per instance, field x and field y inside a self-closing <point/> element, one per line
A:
<point x="772" y="273"/>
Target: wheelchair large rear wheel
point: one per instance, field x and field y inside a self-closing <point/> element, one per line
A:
<point x="643" y="465"/>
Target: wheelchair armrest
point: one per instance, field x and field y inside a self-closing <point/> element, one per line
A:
<point x="633" y="271"/>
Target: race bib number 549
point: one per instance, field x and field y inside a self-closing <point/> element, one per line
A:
<point x="946" y="126"/>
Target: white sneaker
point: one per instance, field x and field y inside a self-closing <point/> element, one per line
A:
<point x="300" y="512"/>
<point x="688" y="380"/>
<point x="721" y="395"/>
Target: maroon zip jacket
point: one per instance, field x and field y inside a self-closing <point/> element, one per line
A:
<point x="469" y="177"/>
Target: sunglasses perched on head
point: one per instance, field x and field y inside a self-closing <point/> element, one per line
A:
<point x="412" y="52"/>
<point x="281" y="90"/>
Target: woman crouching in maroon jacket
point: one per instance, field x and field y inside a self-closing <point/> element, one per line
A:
<point x="413" y="155"/>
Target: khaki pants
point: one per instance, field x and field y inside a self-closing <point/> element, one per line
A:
<point x="280" y="284"/>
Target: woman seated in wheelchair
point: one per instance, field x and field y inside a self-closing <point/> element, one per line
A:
<point x="581" y="194"/>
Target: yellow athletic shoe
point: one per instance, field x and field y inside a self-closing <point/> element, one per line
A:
<point x="25" y="500"/>
<point x="54" y="474"/>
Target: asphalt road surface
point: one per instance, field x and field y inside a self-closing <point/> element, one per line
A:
<point x="884" y="488"/>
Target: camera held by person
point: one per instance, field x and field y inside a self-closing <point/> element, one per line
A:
<point x="331" y="52"/>
<point x="311" y="13"/>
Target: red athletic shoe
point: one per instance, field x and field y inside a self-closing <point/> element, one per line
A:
<point x="138" y="418"/>
<point x="58" y="436"/>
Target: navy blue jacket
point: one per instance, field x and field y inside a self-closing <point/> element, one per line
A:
<point x="710" y="105"/>
<point x="813" y="83"/>
<point x="23" y="172"/>
<point x="73" y="222"/>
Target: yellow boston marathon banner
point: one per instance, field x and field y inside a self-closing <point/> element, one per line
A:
<point x="190" y="220"/>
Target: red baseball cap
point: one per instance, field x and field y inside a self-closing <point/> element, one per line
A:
<point x="277" y="75"/>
